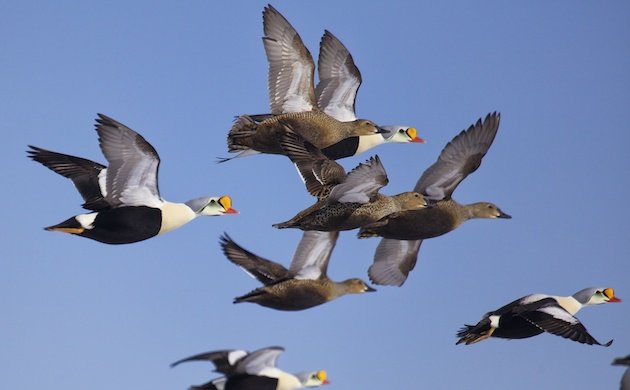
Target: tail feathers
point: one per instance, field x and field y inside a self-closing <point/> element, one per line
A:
<point x="470" y="334"/>
<point x="284" y="225"/>
<point x="70" y="225"/>
<point x="244" y="153"/>
<point x="239" y="136"/>
<point x="250" y="296"/>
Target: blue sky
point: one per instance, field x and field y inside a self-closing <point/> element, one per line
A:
<point x="78" y="313"/>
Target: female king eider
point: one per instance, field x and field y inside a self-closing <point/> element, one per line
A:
<point x="124" y="196"/>
<point x="537" y="313"/>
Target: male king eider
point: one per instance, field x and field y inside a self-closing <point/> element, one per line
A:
<point x="124" y="197"/>
<point x="537" y="313"/>
<point x="256" y="370"/>
<point x="335" y="94"/>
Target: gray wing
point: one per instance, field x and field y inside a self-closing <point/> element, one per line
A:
<point x="362" y="183"/>
<point x="552" y="318"/>
<point x="258" y="360"/>
<point x="223" y="360"/>
<point x="133" y="165"/>
<point x="318" y="172"/>
<point x="312" y="254"/>
<point x="85" y="174"/>
<point x="265" y="271"/>
<point x="339" y="79"/>
<point x="291" y="66"/>
<point x="459" y="158"/>
<point x="393" y="260"/>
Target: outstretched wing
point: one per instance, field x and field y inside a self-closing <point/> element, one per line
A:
<point x="86" y="175"/>
<point x="393" y="260"/>
<point x="133" y="165"/>
<point x="339" y="79"/>
<point x="459" y="158"/>
<point x="291" y="66"/>
<point x="266" y="271"/>
<point x="312" y="254"/>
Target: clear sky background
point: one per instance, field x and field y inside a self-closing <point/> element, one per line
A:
<point x="80" y="314"/>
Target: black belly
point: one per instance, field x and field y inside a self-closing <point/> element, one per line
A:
<point x="250" y="382"/>
<point x="515" y="327"/>
<point x="125" y="225"/>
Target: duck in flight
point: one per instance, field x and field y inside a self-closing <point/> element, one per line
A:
<point x="123" y="197"/>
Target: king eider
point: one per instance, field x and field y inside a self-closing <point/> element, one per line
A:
<point x="292" y="98"/>
<point x="534" y="314"/>
<point x="397" y="253"/>
<point x="335" y="93"/>
<point x="257" y="370"/>
<point x="124" y="196"/>
<point x="354" y="202"/>
<point x="304" y="285"/>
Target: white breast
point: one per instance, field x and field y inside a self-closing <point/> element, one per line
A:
<point x="369" y="141"/>
<point x="175" y="215"/>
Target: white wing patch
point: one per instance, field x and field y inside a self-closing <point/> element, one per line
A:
<point x="559" y="314"/>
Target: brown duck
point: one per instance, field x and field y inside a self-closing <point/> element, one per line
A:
<point x="292" y="98"/>
<point x="403" y="233"/>
<point x="304" y="285"/>
<point x="353" y="202"/>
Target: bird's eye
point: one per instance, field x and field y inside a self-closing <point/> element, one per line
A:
<point x="213" y="201"/>
<point x="401" y="130"/>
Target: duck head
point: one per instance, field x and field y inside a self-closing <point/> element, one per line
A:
<point x="411" y="201"/>
<point x="313" y="379"/>
<point x="488" y="210"/>
<point x="366" y="127"/>
<point x="401" y="134"/>
<point x="212" y="206"/>
<point x="596" y="296"/>
<point x="356" y="286"/>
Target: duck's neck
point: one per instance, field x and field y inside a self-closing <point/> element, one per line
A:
<point x="472" y="210"/>
<point x="368" y="142"/>
<point x="175" y="215"/>
<point x="570" y="304"/>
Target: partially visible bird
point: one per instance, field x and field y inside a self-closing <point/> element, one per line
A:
<point x="292" y="98"/>
<point x="124" y="197"/>
<point x="534" y="314"/>
<point x="625" y="379"/>
<point x="352" y="201"/>
<point x="304" y="285"/>
<point x="397" y="253"/>
<point x="243" y="370"/>
<point x="336" y="92"/>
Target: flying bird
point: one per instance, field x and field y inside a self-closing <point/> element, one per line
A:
<point x="124" y="197"/>
<point x="292" y="98"/>
<point x="304" y="285"/>
<point x="534" y="314"/>
<point x="257" y="370"/>
<point x="397" y="253"/>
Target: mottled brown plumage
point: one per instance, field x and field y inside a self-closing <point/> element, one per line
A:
<point x="304" y="285"/>
<point x="328" y="215"/>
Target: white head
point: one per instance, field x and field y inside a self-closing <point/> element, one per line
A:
<point x="212" y="206"/>
<point x="596" y="296"/>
